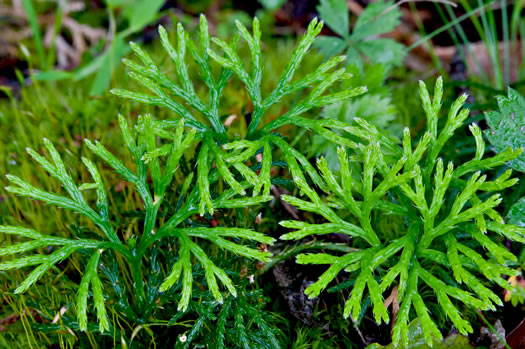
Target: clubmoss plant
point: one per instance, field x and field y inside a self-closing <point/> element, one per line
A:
<point x="452" y="231"/>
<point x="161" y="163"/>
<point x="181" y="98"/>
<point x="219" y="176"/>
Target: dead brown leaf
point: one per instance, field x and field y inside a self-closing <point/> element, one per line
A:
<point x="393" y="300"/>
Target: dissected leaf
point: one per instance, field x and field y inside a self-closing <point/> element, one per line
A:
<point x="383" y="50"/>
<point x="335" y="14"/>
<point x="377" y="18"/>
<point x="375" y="108"/>
<point x="507" y="126"/>
<point x="516" y="213"/>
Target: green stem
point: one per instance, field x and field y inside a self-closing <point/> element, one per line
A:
<point x="138" y="283"/>
<point x="218" y="127"/>
<point x="428" y="232"/>
<point x="256" y="120"/>
<point x="315" y="245"/>
<point x="187" y="210"/>
<point x="280" y="121"/>
<point x="108" y="230"/>
<point x="119" y="247"/>
<point x="151" y="217"/>
<point x="364" y="220"/>
<point x="470" y="14"/>
<point x="35" y="31"/>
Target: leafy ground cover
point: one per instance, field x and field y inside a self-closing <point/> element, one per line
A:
<point x="279" y="182"/>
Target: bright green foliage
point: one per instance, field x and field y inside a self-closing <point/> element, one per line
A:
<point x="220" y="180"/>
<point x="417" y="340"/>
<point x="448" y="212"/>
<point x="157" y="148"/>
<point x="517" y="296"/>
<point x="375" y="107"/>
<point x="203" y="115"/>
<point x="507" y="126"/>
<point x="377" y="18"/>
<point x="182" y="99"/>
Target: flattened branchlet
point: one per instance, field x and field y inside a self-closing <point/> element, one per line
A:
<point x="440" y="229"/>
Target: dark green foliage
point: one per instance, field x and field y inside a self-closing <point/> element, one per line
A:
<point x="240" y="322"/>
<point x="377" y="18"/>
<point x="507" y="126"/>
<point x="516" y="213"/>
<point x="441" y="234"/>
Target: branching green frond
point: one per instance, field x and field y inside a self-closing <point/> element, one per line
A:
<point x="90" y="277"/>
<point x="158" y="149"/>
<point x="76" y="202"/>
<point x="180" y="96"/>
<point x="460" y="232"/>
<point x="165" y="89"/>
<point x="46" y="262"/>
